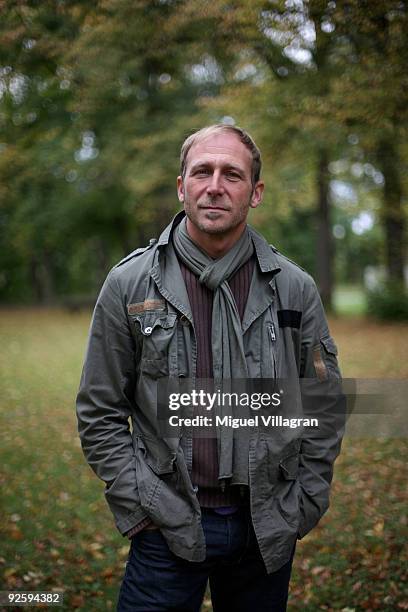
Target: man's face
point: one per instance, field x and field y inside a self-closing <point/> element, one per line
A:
<point x="217" y="191"/>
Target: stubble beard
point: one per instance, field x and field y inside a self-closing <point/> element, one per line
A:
<point x="193" y="214"/>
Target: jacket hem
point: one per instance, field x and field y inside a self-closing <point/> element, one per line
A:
<point x="134" y="518"/>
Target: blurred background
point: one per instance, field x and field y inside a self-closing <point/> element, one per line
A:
<point x="96" y="99"/>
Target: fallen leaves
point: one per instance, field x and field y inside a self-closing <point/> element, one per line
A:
<point x="57" y="531"/>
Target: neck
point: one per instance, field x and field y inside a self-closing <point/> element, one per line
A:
<point x="215" y="245"/>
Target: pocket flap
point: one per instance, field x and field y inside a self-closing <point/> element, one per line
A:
<point x="149" y="322"/>
<point x="329" y="345"/>
<point x="289" y="467"/>
<point x="165" y="466"/>
<point x="157" y="455"/>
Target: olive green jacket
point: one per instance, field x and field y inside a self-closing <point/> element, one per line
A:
<point x="142" y="329"/>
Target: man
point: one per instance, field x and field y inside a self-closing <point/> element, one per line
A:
<point x="209" y="300"/>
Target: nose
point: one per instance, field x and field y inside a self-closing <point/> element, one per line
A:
<point x="215" y="187"/>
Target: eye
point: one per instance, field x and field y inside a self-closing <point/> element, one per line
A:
<point x="201" y="172"/>
<point x="233" y="176"/>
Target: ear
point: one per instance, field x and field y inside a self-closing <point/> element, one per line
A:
<point x="257" y="194"/>
<point x="180" y="189"/>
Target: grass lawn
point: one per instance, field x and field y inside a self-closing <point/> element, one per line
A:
<point x="57" y="532"/>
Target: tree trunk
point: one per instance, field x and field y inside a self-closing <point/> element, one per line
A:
<point x="104" y="263"/>
<point x="392" y="212"/>
<point x="42" y="278"/>
<point x="324" y="247"/>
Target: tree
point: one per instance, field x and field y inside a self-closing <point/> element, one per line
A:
<point x="374" y="100"/>
<point x="96" y="100"/>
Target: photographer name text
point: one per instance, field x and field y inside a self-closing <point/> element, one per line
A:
<point x="234" y="422"/>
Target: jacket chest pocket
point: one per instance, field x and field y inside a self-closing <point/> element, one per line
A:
<point x="157" y="333"/>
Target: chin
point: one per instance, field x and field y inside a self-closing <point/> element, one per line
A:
<point x="211" y="226"/>
<point x="214" y="229"/>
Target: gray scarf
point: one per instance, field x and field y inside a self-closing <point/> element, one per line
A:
<point x="226" y="339"/>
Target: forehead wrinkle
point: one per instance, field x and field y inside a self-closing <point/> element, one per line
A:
<point x="219" y="160"/>
<point x="221" y="150"/>
<point x="210" y="147"/>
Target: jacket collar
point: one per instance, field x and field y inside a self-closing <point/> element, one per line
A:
<point x="265" y="254"/>
<point x="166" y="233"/>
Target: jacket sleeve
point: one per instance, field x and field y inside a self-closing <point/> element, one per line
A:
<point x="322" y="399"/>
<point x="105" y="402"/>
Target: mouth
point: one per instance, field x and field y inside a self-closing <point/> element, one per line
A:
<point x="216" y="208"/>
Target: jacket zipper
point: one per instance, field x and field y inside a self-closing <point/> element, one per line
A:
<point x="272" y="334"/>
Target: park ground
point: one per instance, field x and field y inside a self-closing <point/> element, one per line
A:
<point x="56" y="530"/>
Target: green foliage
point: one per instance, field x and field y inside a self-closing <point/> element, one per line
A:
<point x="96" y="98"/>
<point x="388" y="302"/>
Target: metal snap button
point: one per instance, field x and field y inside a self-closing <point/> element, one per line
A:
<point x="184" y="320"/>
<point x="148" y="330"/>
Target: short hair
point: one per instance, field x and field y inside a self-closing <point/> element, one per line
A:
<point x="243" y="136"/>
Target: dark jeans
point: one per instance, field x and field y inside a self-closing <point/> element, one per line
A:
<point x="157" y="580"/>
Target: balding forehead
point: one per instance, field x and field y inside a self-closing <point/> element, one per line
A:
<point x="217" y="146"/>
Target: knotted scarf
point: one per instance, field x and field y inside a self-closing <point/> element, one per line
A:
<point x="226" y="339"/>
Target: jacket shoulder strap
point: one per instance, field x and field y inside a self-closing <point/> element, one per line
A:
<point x="137" y="252"/>
<point x="275" y="250"/>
